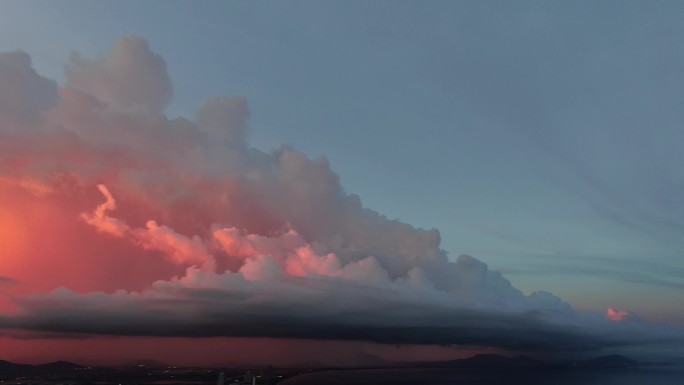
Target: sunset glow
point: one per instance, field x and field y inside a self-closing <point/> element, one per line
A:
<point x="14" y="236"/>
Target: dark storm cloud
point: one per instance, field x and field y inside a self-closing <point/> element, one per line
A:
<point x="343" y="313"/>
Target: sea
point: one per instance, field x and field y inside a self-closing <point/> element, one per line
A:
<point x="642" y="375"/>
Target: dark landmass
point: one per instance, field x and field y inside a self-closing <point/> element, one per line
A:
<point x="138" y="373"/>
<point x="58" y="366"/>
<point x="10" y="370"/>
<point x="152" y="372"/>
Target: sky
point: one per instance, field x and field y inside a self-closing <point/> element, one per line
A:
<point x="398" y="178"/>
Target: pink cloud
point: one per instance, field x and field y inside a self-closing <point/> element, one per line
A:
<point x="181" y="249"/>
<point x="101" y="221"/>
<point x="617" y="315"/>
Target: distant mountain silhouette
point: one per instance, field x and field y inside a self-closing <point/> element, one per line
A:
<point x="58" y="366"/>
<point x="6" y="365"/>
<point x="488" y="361"/>
<point x="498" y="361"/>
<point x="9" y="369"/>
<point x="610" y="361"/>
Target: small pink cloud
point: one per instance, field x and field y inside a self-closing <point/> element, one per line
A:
<point x="617" y="315"/>
<point x="103" y="222"/>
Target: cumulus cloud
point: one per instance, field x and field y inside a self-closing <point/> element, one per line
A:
<point x="23" y="92"/>
<point x="225" y="118"/>
<point x="132" y="76"/>
<point x="180" y="248"/>
<point x="264" y="243"/>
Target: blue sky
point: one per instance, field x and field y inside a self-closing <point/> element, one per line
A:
<point x="540" y="137"/>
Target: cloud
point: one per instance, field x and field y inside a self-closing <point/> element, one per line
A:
<point x="204" y="304"/>
<point x="101" y="221"/>
<point x="617" y="315"/>
<point x="8" y="281"/>
<point x="180" y="248"/>
<point x="248" y="243"/>
<point x="225" y="117"/>
<point x="132" y="76"/>
<point x="33" y="186"/>
<point x="23" y="92"/>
